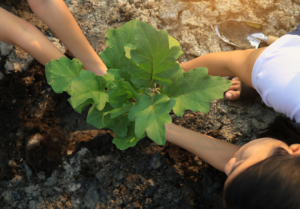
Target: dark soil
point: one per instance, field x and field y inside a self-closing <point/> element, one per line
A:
<point x="34" y="131"/>
<point x="31" y="129"/>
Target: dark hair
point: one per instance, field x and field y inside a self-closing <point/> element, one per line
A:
<point x="282" y="129"/>
<point x="273" y="183"/>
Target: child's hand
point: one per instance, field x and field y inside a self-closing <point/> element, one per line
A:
<point x="99" y="68"/>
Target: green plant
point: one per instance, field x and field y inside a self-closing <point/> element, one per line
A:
<point x="142" y="85"/>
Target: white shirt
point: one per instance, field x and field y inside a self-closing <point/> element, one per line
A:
<point x="276" y="76"/>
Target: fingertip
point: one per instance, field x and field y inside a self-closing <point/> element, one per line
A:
<point x="228" y="95"/>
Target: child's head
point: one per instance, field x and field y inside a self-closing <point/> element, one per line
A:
<point x="265" y="173"/>
<point x="273" y="183"/>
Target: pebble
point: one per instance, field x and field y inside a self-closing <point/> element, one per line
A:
<point x="1" y="76"/>
<point x="16" y="180"/>
<point x="41" y="176"/>
<point x="32" y="190"/>
<point x="103" y="158"/>
<point x="28" y="170"/>
<point x="32" y="204"/>
<point x="5" y="48"/>
<point x="57" y="189"/>
<point x="51" y="181"/>
<point x="84" y="152"/>
<point x="72" y="187"/>
<point x="155" y="161"/>
<point x="103" y="176"/>
<point x="11" y="195"/>
<point x="92" y="197"/>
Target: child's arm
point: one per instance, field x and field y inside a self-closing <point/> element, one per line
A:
<point x="232" y="63"/>
<point x="59" y="19"/>
<point x="213" y="151"/>
<point x="14" y="30"/>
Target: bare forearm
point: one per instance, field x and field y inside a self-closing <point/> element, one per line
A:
<point x="215" y="62"/>
<point x="17" y="31"/>
<point x="60" y="20"/>
<point x="233" y="63"/>
<point x="214" y="151"/>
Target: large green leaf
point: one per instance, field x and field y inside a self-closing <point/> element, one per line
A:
<point x="129" y="141"/>
<point x="82" y="106"/>
<point x="154" y="59"/>
<point x="119" y="119"/>
<point x="113" y="75"/>
<point x="99" y="119"/>
<point x="195" y="90"/>
<point x="117" y="74"/>
<point x="116" y="39"/>
<point x="174" y="42"/>
<point x="119" y="125"/>
<point x="121" y="93"/>
<point x="88" y="86"/>
<point x="150" y="114"/>
<point x="121" y="110"/>
<point x="60" y="72"/>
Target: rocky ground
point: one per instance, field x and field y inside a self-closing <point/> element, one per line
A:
<point x="51" y="158"/>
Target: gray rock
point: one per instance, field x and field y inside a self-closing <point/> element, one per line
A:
<point x="83" y="152"/>
<point x="120" y="176"/>
<point x="12" y="195"/>
<point x="16" y="180"/>
<point x="51" y="181"/>
<point x="155" y="161"/>
<point x="32" y="190"/>
<point x="41" y="176"/>
<point x="76" y="201"/>
<point x="1" y="74"/>
<point x="119" y="201"/>
<point x="151" y="186"/>
<point x="57" y="189"/>
<point x="103" y="176"/>
<point x="174" y="173"/>
<point x="132" y="181"/>
<point x="103" y="159"/>
<point x="5" y="48"/>
<point x="17" y="61"/>
<point x="91" y="198"/>
<point x="32" y="204"/>
<point x="28" y="169"/>
<point x="73" y="186"/>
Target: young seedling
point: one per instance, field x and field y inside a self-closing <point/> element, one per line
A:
<point x="142" y="85"/>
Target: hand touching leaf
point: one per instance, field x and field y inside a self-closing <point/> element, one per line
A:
<point x="195" y="90"/>
<point x="142" y="85"/>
